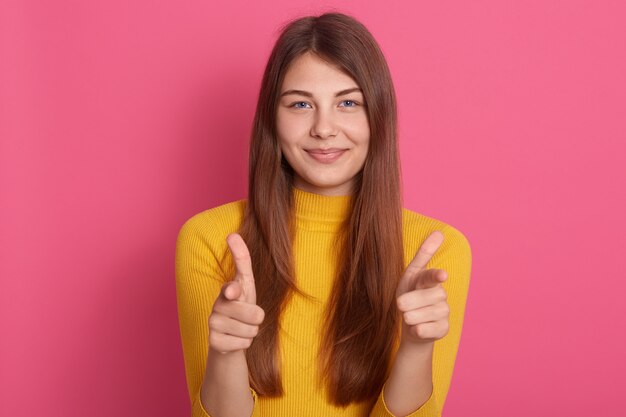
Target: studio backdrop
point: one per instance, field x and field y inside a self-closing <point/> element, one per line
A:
<point x="119" y="120"/>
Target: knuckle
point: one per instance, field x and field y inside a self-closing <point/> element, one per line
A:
<point x="420" y="331"/>
<point x="259" y="315"/>
<point x="406" y="316"/>
<point x="446" y="309"/>
<point x="213" y="339"/>
<point x="400" y="303"/>
<point x="213" y="321"/>
<point x="412" y="317"/>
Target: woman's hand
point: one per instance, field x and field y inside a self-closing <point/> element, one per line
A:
<point x="233" y="323"/>
<point x="421" y="298"/>
<point x="235" y="318"/>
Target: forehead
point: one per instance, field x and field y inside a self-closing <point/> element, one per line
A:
<point x="311" y="73"/>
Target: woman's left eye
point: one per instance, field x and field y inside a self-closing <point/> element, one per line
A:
<point x="348" y="103"/>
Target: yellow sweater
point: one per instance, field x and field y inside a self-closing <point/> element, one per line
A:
<point x="199" y="278"/>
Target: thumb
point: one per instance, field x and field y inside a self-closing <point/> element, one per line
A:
<point x="430" y="278"/>
<point x="416" y="267"/>
<point x="232" y="291"/>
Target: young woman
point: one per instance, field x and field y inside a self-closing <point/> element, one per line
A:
<point x="319" y="295"/>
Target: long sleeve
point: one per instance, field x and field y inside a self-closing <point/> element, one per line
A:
<point x="454" y="256"/>
<point x="199" y="279"/>
<point x="203" y="265"/>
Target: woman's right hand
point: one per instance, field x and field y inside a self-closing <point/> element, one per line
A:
<point x="235" y="318"/>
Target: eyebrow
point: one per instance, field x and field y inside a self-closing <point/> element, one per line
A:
<point x="308" y="94"/>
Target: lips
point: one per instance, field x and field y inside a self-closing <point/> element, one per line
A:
<point x="325" y="156"/>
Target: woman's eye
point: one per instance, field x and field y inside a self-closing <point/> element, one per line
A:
<point x="349" y="103"/>
<point x="300" y="105"/>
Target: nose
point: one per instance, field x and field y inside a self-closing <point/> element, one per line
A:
<point x="323" y="125"/>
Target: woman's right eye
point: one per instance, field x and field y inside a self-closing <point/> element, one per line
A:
<point x="300" y="105"/>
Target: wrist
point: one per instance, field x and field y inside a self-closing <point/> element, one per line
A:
<point x="225" y="360"/>
<point x="227" y="354"/>
<point x="417" y="348"/>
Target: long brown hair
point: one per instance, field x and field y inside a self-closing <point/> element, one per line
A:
<point x="361" y="317"/>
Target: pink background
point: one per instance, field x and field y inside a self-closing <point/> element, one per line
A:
<point x="120" y="120"/>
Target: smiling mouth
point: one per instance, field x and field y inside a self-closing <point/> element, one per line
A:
<point x="326" y="151"/>
<point x="325" y="156"/>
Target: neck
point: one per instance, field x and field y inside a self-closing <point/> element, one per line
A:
<point x="321" y="211"/>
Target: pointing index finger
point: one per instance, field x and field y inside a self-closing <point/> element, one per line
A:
<point x="243" y="266"/>
<point x="425" y="253"/>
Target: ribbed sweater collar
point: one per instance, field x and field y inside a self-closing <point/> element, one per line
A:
<point x="315" y="211"/>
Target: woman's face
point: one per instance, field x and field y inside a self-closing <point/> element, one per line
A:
<point x="322" y="126"/>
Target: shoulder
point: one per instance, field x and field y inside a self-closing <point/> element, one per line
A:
<point x="217" y="220"/>
<point x="206" y="231"/>
<point x="417" y="227"/>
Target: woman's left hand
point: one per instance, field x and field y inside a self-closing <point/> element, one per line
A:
<point x="421" y="298"/>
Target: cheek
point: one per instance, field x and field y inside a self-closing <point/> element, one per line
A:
<point x="290" y="128"/>
<point x="360" y="136"/>
<point x="357" y="128"/>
